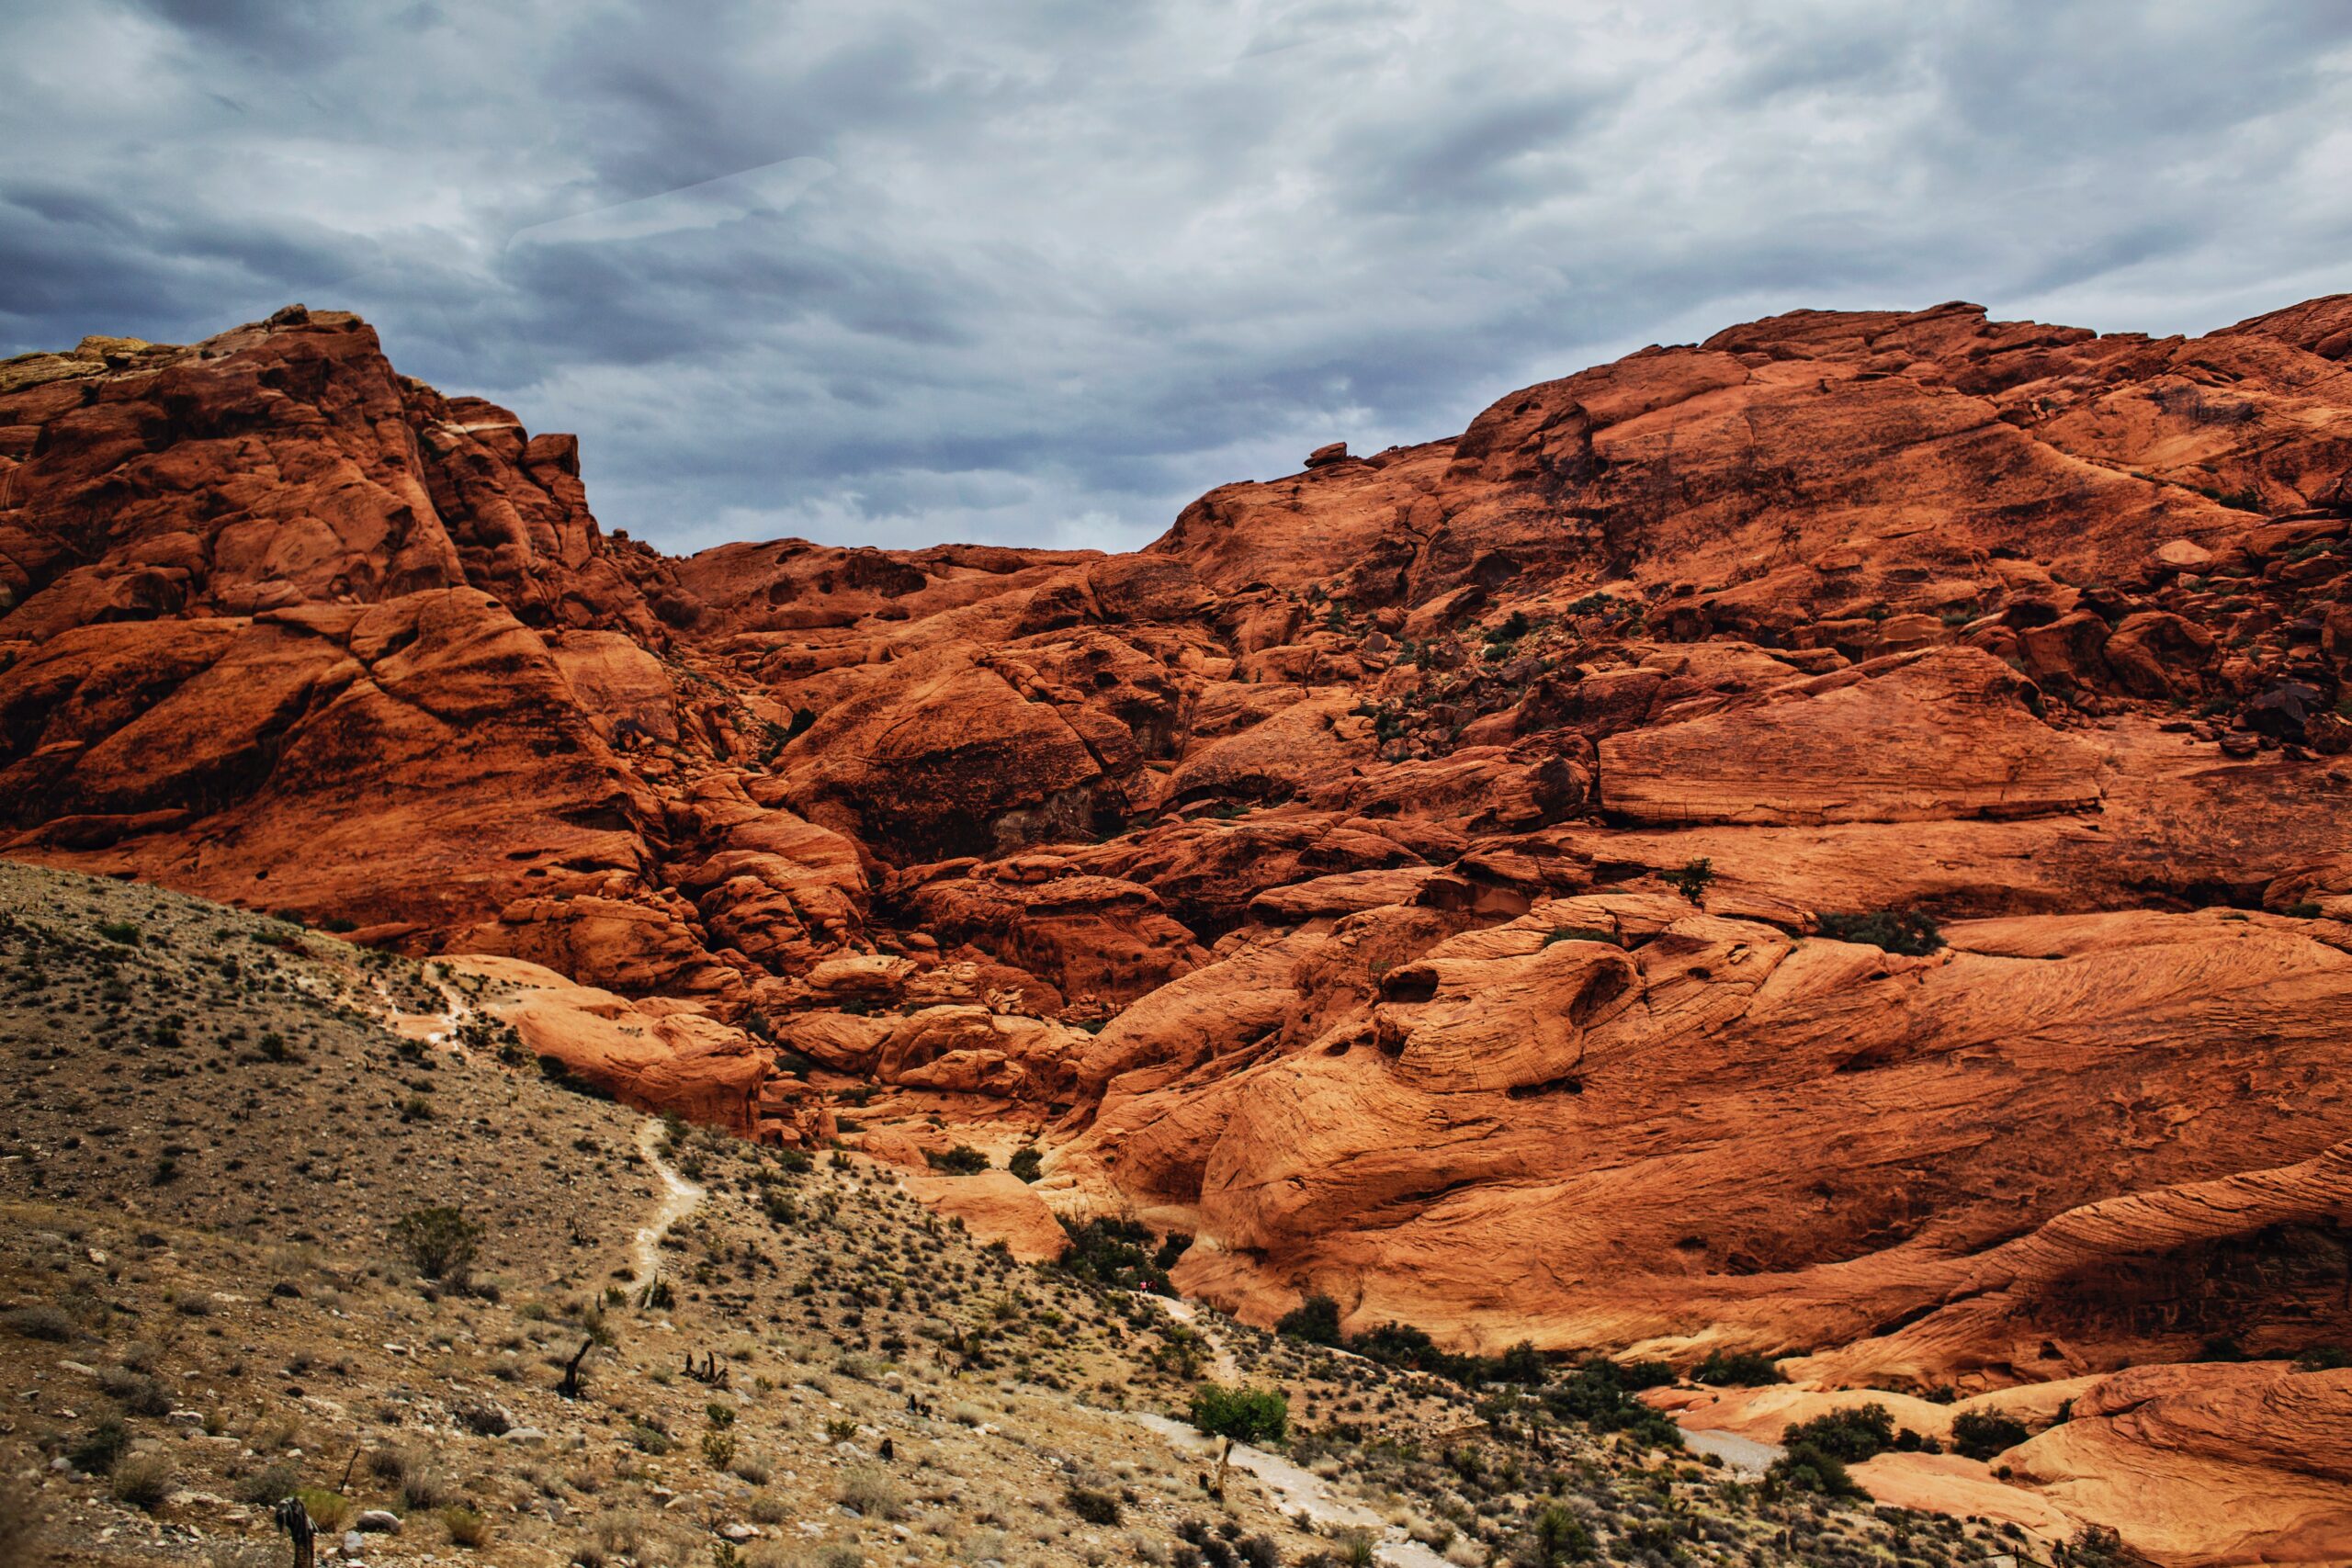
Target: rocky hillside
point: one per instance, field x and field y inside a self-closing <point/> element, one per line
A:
<point x="1827" y="842"/>
<point x="645" y="1344"/>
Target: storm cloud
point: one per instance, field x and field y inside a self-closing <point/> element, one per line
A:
<point x="884" y="273"/>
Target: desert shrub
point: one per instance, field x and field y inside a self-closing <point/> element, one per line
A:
<point x="1851" y="1436"/>
<point x="2096" y="1546"/>
<point x="1581" y="933"/>
<point x="269" y="1484"/>
<point x="483" y="1420"/>
<point x="143" y="1480"/>
<point x="40" y="1322"/>
<point x="328" y="1510"/>
<point x="961" y="1160"/>
<point x="120" y="931"/>
<point x="1026" y="1162"/>
<point x="1402" y="1345"/>
<point x="1522" y="1363"/>
<point x="1122" y="1254"/>
<point x="1903" y="931"/>
<point x="872" y="1491"/>
<point x="1981" y="1434"/>
<point x="2304" y="912"/>
<point x="1315" y="1320"/>
<point x="1555" y="1535"/>
<point x="137" y="1394"/>
<point x="1095" y="1506"/>
<point x="718" y="1450"/>
<point x="1809" y="1470"/>
<point x="649" y="1439"/>
<point x="2324" y="1358"/>
<point x="1600" y="1393"/>
<point x="424" y="1489"/>
<point x="101" y="1449"/>
<point x="441" y="1242"/>
<point x="1738" y="1369"/>
<point x="466" y="1527"/>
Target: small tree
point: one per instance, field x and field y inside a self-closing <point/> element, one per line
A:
<point x="1026" y="1162"/>
<point x="441" y="1242"/>
<point x="1240" y="1416"/>
<point x="1692" y="879"/>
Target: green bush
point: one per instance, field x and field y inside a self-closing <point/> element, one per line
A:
<point x="120" y="931"/>
<point x="1907" y="932"/>
<point x="1026" y="1162"/>
<point x="1315" y="1320"/>
<point x="1599" y="1395"/>
<point x="1739" y="1368"/>
<point x="1806" y="1468"/>
<point x="1557" y="1536"/>
<point x="1851" y="1436"/>
<point x="1522" y="1363"/>
<point x="1981" y="1434"/>
<point x="961" y="1160"/>
<point x="1254" y="1415"/>
<point x="1096" y="1508"/>
<point x="1122" y="1254"/>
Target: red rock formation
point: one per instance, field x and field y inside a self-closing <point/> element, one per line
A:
<point x="1302" y="876"/>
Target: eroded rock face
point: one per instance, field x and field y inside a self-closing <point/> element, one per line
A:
<point x="1453" y="878"/>
<point x="1908" y="738"/>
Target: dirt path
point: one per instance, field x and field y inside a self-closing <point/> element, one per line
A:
<point x="1298" y="1491"/>
<point x="1228" y="1370"/>
<point x="679" y="1199"/>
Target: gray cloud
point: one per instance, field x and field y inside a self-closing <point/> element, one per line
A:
<point x="870" y="270"/>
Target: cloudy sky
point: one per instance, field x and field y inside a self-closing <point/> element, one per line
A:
<point x="868" y="271"/>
